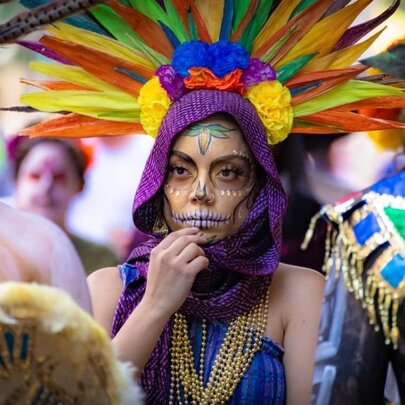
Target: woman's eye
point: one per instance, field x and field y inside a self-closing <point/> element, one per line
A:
<point x="229" y="173"/>
<point x="179" y="171"/>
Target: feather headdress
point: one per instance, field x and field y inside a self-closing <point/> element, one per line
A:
<point x="122" y="64"/>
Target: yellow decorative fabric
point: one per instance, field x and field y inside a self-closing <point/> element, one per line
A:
<point x="154" y="103"/>
<point x="273" y="104"/>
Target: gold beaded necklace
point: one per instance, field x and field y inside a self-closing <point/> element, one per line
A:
<point x="241" y="342"/>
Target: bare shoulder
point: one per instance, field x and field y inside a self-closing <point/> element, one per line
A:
<point x="291" y="276"/>
<point x="106" y="277"/>
<point x="298" y="289"/>
<point x="105" y="287"/>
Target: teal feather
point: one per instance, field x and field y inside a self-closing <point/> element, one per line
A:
<point x="192" y="27"/>
<point x="248" y="36"/>
<point x="170" y="35"/>
<point x="131" y="74"/>
<point x="226" y="25"/>
<point x="290" y="69"/>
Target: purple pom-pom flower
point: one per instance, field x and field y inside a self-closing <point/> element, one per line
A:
<point x="190" y="54"/>
<point x="171" y="82"/>
<point x="257" y="72"/>
<point x="227" y="56"/>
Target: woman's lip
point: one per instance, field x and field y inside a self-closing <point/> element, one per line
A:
<point x="202" y="224"/>
<point x="203" y="219"/>
<point x="201" y="215"/>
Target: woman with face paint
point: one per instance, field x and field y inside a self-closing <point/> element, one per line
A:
<point x="48" y="174"/>
<point x="204" y="309"/>
<point x="205" y="286"/>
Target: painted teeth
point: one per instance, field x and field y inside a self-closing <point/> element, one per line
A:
<point x="201" y="219"/>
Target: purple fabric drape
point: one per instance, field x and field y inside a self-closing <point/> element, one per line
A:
<point x="241" y="265"/>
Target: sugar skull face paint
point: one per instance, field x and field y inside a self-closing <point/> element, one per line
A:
<point x="209" y="184"/>
<point x="46" y="182"/>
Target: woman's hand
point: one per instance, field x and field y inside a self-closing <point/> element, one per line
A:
<point x="173" y="266"/>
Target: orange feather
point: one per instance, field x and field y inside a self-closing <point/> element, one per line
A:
<point x="99" y="64"/>
<point x="53" y="85"/>
<point x="150" y="32"/>
<point x="314" y="130"/>
<point x="351" y="122"/>
<point x="80" y="126"/>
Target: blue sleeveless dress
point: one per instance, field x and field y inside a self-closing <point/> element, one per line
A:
<point x="264" y="381"/>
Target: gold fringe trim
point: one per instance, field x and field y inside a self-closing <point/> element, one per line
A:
<point x="346" y="256"/>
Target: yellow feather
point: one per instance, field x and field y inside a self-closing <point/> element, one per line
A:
<point x="90" y="103"/>
<point x="277" y="20"/>
<point x="354" y="90"/>
<point x="331" y="27"/>
<point x="101" y="43"/>
<point x="71" y="74"/>
<point x="212" y="12"/>
<point x="340" y="59"/>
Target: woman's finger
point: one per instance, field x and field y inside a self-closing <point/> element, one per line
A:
<point x="173" y="236"/>
<point x="198" y="264"/>
<point x="183" y="241"/>
<point x="190" y="252"/>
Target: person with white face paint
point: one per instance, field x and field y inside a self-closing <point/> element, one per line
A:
<point x="48" y="174"/>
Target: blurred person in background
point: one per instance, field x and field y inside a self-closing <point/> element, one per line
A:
<point x="102" y="213"/>
<point x="361" y="351"/>
<point x="48" y="173"/>
<point x="306" y="167"/>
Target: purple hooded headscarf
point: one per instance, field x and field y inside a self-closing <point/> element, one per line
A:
<point x="241" y="265"/>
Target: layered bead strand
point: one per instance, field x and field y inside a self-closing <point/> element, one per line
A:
<point x="241" y="342"/>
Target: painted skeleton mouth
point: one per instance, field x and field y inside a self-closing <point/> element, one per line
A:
<point x="202" y="219"/>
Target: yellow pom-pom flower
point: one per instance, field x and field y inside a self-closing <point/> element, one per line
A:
<point x="154" y="103"/>
<point x="273" y="104"/>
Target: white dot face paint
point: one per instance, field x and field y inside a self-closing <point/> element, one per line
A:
<point x="209" y="187"/>
<point x="46" y="182"/>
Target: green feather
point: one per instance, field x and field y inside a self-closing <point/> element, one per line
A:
<point x="176" y="23"/>
<point x="354" y="90"/>
<point x="239" y="8"/>
<point x="290" y="69"/>
<point x="256" y="23"/>
<point x="112" y="22"/>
